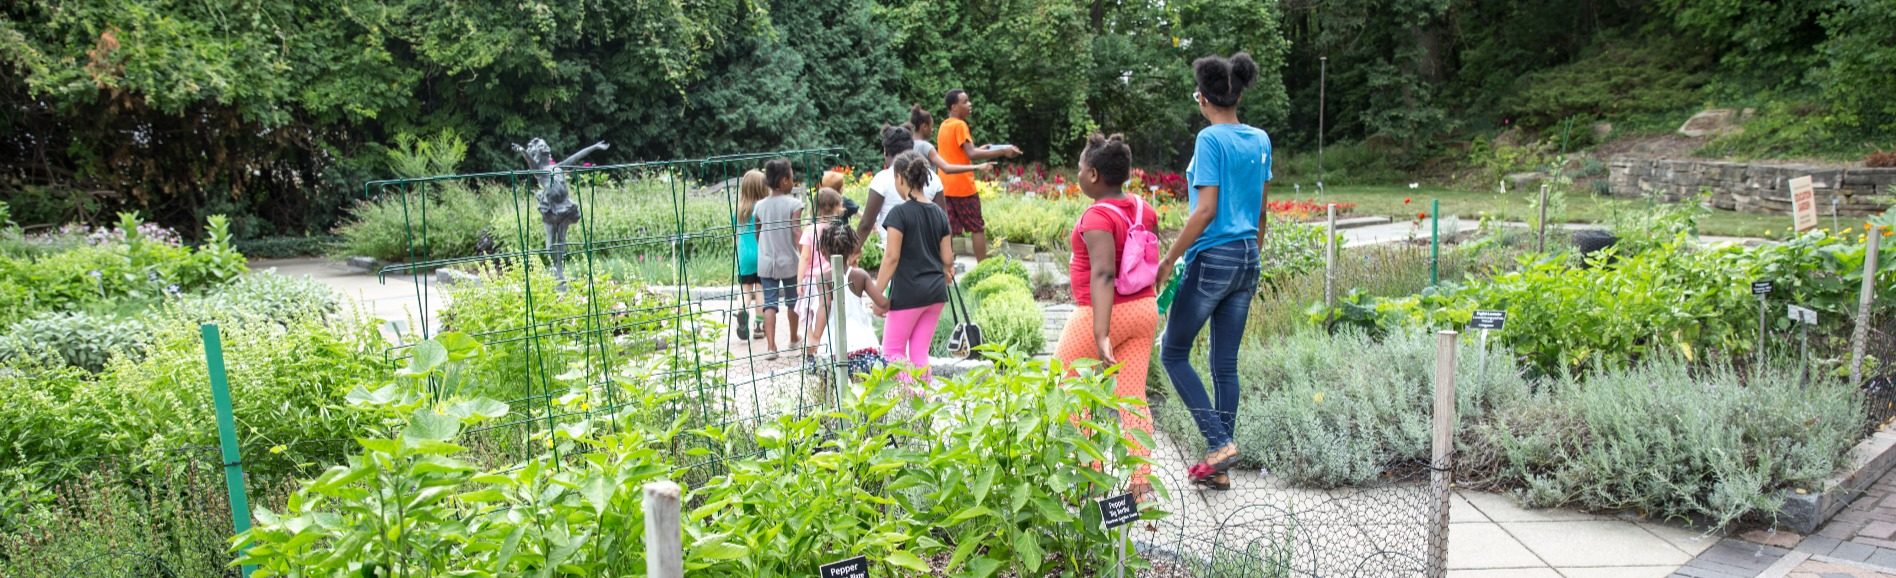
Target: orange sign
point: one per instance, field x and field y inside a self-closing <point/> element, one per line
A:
<point x="1803" y="204"/>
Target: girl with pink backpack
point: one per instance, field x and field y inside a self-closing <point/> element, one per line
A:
<point x="1115" y="262"/>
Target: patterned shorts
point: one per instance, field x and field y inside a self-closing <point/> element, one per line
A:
<point x="865" y="361"/>
<point x="964" y="214"/>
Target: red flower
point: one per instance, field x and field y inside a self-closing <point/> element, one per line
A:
<point x="1405" y="200"/>
<point x="1420" y="216"/>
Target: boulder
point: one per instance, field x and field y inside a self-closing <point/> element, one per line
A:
<point x="1709" y="123"/>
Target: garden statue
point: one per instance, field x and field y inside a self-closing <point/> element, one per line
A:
<point x="557" y="208"/>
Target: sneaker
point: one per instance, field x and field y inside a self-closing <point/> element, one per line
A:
<point x="743" y="325"/>
<point x="795" y="345"/>
<point x="772" y="356"/>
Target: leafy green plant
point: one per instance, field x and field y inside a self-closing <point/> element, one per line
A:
<point x="998" y="284"/>
<point x="1012" y="319"/>
<point x="392" y="227"/>
<point x="83" y="340"/>
<point x="978" y="478"/>
<point x="991" y="267"/>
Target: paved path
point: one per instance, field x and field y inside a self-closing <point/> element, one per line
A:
<point x="1858" y="542"/>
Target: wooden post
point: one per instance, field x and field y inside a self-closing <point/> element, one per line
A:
<point x="1329" y="266"/>
<point x="1442" y="454"/>
<point x="664" y="538"/>
<point x="1540" y="246"/>
<point x="1862" y="333"/>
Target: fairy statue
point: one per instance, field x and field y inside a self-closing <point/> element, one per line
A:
<point x="557" y="208"/>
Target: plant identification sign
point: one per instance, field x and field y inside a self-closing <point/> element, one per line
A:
<point x="1485" y="319"/>
<point x="1802" y="315"/>
<point x="857" y="567"/>
<point x="1118" y="510"/>
<point x="1762" y="288"/>
<point x="1803" y="203"/>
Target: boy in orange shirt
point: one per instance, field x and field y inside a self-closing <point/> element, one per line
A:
<point x="955" y="142"/>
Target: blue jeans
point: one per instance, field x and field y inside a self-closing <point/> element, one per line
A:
<point x="1217" y="285"/>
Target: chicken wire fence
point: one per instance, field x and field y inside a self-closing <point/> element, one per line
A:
<point x="643" y="297"/>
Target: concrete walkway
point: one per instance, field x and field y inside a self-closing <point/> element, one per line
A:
<point x="1492" y="536"/>
<point x="1858" y="542"/>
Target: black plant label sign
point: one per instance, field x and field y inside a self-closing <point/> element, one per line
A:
<point x="1118" y="510"/>
<point x="857" y="567"/>
<point x="1489" y="319"/>
<point x="1761" y="287"/>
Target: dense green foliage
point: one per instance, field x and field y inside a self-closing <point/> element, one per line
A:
<point x="276" y="113"/>
<point x="1418" y="76"/>
<point x="978" y="477"/>
<point x="1615" y="308"/>
<point x="110" y="268"/>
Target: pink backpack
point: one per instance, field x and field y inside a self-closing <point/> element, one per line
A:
<point x="1139" y="261"/>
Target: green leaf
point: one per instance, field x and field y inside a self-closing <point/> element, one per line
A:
<point x="476" y="410"/>
<point x="984" y="483"/>
<point x="458" y="345"/>
<point x="1019" y="499"/>
<point x="1027" y="550"/>
<point x="965" y="545"/>
<point x="427" y="356"/>
<point x="969" y="514"/>
<point x="426" y="425"/>
<point x="903" y="559"/>
<point x="984" y="567"/>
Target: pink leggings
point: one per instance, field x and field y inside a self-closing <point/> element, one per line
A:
<point x="906" y="335"/>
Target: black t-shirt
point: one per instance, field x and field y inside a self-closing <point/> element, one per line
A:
<point x="919" y="280"/>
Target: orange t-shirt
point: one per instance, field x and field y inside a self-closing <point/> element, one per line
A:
<point x="948" y="140"/>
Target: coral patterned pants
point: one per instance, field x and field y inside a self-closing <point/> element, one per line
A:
<point x="1133" y="327"/>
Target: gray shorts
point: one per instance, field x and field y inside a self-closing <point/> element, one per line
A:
<point x="779" y="293"/>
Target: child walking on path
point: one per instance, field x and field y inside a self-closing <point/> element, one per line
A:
<point x="813" y="269"/>
<point x="1231" y="164"/>
<point x="750" y="190"/>
<point x="862" y="348"/>
<point x="915" y="270"/>
<point x="777" y="218"/>
<point x="1110" y="326"/>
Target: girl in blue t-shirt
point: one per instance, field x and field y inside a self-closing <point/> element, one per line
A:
<point x="1231" y="163"/>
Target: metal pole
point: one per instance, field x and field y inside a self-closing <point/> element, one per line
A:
<point x="1762" y="321"/>
<point x="839" y="336"/>
<point x="227" y="433"/>
<point x="1483" y="374"/>
<point x="664" y="540"/>
<point x="1862" y="333"/>
<point x="1442" y="463"/>
<point x="1540" y="245"/>
<point x="1435" y="241"/>
<point x="1329" y="265"/>
<point x="1323" y="83"/>
<point x="1833" y="214"/>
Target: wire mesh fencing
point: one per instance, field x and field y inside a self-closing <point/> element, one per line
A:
<point x="640" y="295"/>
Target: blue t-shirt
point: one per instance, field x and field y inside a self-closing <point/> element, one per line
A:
<point x="1236" y="158"/>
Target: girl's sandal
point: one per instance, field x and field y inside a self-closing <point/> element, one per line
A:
<point x="1206" y="476"/>
<point x="1226" y="462"/>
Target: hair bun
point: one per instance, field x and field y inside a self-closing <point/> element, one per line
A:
<point x="1243" y="71"/>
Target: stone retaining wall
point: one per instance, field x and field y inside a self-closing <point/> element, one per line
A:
<point x="1751" y="188"/>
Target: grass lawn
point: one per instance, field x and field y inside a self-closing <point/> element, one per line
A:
<point x="1581" y="208"/>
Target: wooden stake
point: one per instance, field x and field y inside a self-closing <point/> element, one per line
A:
<point x="664" y="538"/>
<point x="1862" y="333"/>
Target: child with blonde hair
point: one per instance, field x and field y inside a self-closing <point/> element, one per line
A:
<point x="813" y="272"/>
<point x="750" y="190"/>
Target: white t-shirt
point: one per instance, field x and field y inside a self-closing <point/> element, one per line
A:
<point x="884" y="184"/>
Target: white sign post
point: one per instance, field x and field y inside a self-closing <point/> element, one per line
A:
<point x="1803" y="203"/>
